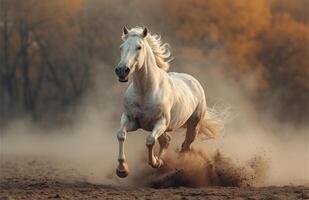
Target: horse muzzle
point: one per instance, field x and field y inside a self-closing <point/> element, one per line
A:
<point x="122" y="73"/>
<point x="123" y="80"/>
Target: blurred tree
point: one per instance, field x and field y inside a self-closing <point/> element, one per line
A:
<point x="285" y="54"/>
<point x="32" y="33"/>
<point x="235" y="24"/>
<point x="297" y="9"/>
<point x="268" y="39"/>
<point x="50" y="49"/>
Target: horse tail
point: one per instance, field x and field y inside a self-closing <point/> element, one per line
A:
<point x="212" y="122"/>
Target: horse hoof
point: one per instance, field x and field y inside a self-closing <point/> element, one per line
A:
<point x="122" y="171"/>
<point x="122" y="174"/>
<point x="159" y="163"/>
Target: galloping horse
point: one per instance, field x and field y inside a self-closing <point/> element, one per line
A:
<point x="155" y="100"/>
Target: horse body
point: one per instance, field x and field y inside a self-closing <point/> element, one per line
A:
<point x="155" y="100"/>
<point x="179" y="96"/>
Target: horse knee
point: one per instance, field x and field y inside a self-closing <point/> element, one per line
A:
<point x="164" y="140"/>
<point x="121" y="135"/>
<point x="150" y="141"/>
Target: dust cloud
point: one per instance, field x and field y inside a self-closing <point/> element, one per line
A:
<point x="248" y="152"/>
<point x="88" y="145"/>
<point x="254" y="158"/>
<point x="198" y="168"/>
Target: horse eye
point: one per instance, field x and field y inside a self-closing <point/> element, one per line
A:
<point x="139" y="48"/>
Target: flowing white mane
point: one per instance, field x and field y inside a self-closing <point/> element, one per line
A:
<point x="160" y="50"/>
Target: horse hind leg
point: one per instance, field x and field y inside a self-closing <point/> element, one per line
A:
<point x="164" y="141"/>
<point x="190" y="134"/>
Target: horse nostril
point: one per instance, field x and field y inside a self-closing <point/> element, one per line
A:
<point x="117" y="70"/>
<point x="127" y="70"/>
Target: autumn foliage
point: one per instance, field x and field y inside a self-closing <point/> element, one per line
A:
<point x="268" y="38"/>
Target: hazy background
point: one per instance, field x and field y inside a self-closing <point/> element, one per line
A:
<point x="59" y="95"/>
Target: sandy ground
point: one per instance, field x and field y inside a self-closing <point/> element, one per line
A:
<point x="42" y="178"/>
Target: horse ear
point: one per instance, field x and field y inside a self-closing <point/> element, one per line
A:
<point x="145" y="32"/>
<point x="125" y="30"/>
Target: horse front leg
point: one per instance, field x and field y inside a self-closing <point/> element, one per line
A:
<point x="164" y="141"/>
<point x="157" y="131"/>
<point x="125" y="126"/>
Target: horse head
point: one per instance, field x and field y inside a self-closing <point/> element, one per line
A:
<point x="133" y="52"/>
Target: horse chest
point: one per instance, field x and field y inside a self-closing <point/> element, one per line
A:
<point x="146" y="115"/>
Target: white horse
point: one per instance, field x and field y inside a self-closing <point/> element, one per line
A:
<point x="157" y="101"/>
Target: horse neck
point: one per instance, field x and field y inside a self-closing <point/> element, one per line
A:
<point x="147" y="79"/>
